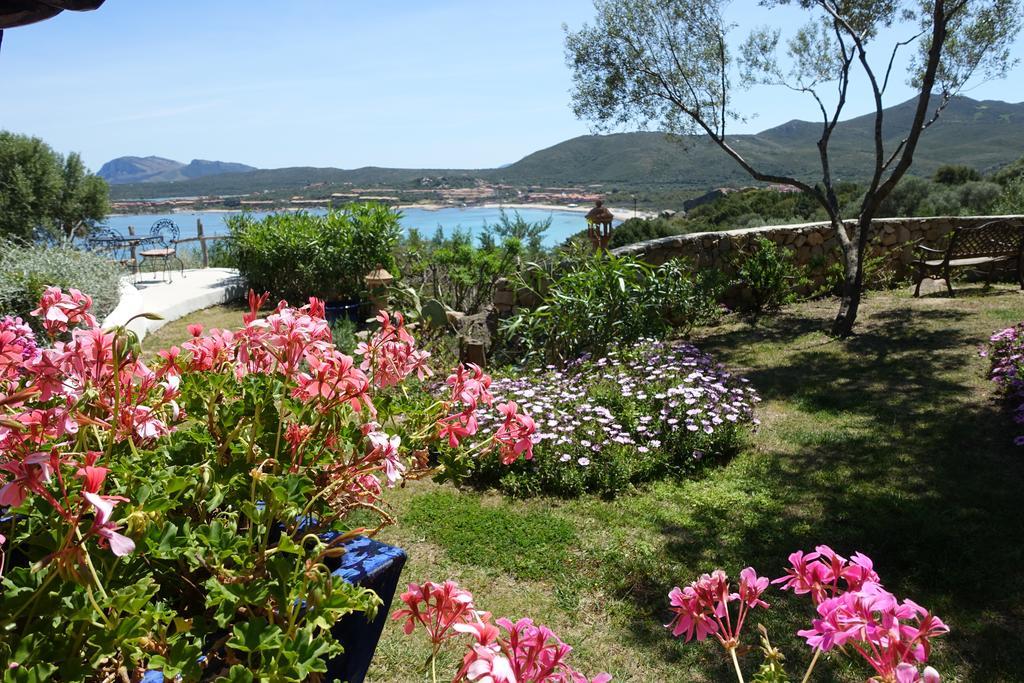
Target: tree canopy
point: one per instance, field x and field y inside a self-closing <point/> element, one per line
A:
<point x="671" y="63"/>
<point x="45" y="194"/>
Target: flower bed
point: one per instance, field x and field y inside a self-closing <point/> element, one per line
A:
<point x="636" y="414"/>
<point x="1006" y="351"/>
<point x="185" y="515"/>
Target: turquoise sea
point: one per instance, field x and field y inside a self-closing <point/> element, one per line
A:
<point x="563" y="223"/>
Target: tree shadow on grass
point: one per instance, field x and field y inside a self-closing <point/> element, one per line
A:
<point x="887" y="449"/>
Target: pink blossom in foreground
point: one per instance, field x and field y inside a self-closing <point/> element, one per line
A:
<point x="438" y="607"/>
<point x="384" y="449"/>
<point x="855" y="612"/>
<point x="824" y="573"/>
<point x="504" y="652"/>
<point x="702" y="608"/>
<point x="390" y="355"/>
<point x="470" y="388"/>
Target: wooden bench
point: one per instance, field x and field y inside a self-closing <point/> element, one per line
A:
<point x="994" y="242"/>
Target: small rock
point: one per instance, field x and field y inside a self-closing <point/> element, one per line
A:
<point x="929" y="286"/>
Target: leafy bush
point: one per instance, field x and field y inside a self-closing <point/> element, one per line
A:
<point x="298" y="255"/>
<point x="26" y="271"/>
<point x="642" y="229"/>
<point x="631" y="416"/>
<point x="768" y="273"/>
<point x="955" y="174"/>
<point x="880" y="272"/>
<point x="594" y="301"/>
<point x="453" y="270"/>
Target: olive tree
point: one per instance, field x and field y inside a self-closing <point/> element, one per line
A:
<point x="671" y="63"/>
<point x="44" y="194"/>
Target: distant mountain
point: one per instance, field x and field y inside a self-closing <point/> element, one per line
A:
<point x="151" y="169"/>
<point x="984" y="134"/>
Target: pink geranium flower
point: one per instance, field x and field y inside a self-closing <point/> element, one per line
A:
<point x="515" y="435"/>
<point x="702" y="608"/>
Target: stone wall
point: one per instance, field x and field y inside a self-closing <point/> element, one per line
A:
<point x="815" y="244"/>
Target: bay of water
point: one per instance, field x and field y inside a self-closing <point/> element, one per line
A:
<point x="563" y="223"/>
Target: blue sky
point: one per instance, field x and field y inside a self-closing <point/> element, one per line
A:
<point x="446" y="83"/>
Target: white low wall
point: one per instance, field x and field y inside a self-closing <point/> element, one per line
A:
<point x="199" y="289"/>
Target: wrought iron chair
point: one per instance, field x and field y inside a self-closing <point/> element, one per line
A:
<point x="164" y="238"/>
<point x="114" y="247"/>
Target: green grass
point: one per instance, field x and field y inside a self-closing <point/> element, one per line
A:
<point x="534" y="546"/>
<point x="227" y="316"/>
<point x="888" y="443"/>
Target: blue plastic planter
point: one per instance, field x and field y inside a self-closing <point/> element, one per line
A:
<point x="370" y="564"/>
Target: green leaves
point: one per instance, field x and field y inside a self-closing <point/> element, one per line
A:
<point x="297" y="255"/>
<point x="595" y="301"/>
<point x="256" y="635"/>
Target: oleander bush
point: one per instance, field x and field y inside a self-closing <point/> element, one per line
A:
<point x="588" y="303"/>
<point x="26" y="270"/>
<point x="635" y="414"/>
<point x="298" y="255"/>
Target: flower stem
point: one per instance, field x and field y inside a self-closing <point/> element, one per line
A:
<point x="736" y="663"/>
<point x="807" y="676"/>
<point x="433" y="668"/>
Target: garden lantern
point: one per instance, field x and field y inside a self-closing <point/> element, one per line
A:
<point x="599" y="226"/>
<point x="377" y="283"/>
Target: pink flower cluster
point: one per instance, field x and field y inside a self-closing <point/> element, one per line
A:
<point x="60" y="311"/>
<point x="470" y="391"/>
<point x="515" y="435"/>
<point x="499" y="652"/>
<point x="702" y="608"/>
<point x="470" y="387"/>
<point x="390" y="355"/>
<point x="47" y="395"/>
<point x="1006" y="350"/>
<point x="17" y="345"/>
<point x="854" y="612"/>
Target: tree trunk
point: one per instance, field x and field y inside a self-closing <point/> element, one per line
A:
<point x="853" y="281"/>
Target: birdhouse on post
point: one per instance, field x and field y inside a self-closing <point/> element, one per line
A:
<point x="599" y="226"/>
<point x="377" y="283"/>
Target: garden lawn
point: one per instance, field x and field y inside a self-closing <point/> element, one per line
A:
<point x="175" y="333"/>
<point x="887" y="443"/>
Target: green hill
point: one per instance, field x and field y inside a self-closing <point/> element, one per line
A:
<point x="985" y="135"/>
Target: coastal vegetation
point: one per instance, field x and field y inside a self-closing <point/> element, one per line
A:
<point x="26" y="270"/>
<point x="45" y="195"/>
<point x="299" y="255"/>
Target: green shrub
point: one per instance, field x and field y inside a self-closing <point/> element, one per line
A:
<point x="594" y="301"/>
<point x="27" y="270"/>
<point x="343" y="332"/>
<point x="768" y="273"/>
<point x="642" y="229"/>
<point x="297" y="255"/>
<point x="454" y="271"/>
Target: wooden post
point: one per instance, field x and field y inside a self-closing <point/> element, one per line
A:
<point x="131" y="248"/>
<point x="202" y="243"/>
